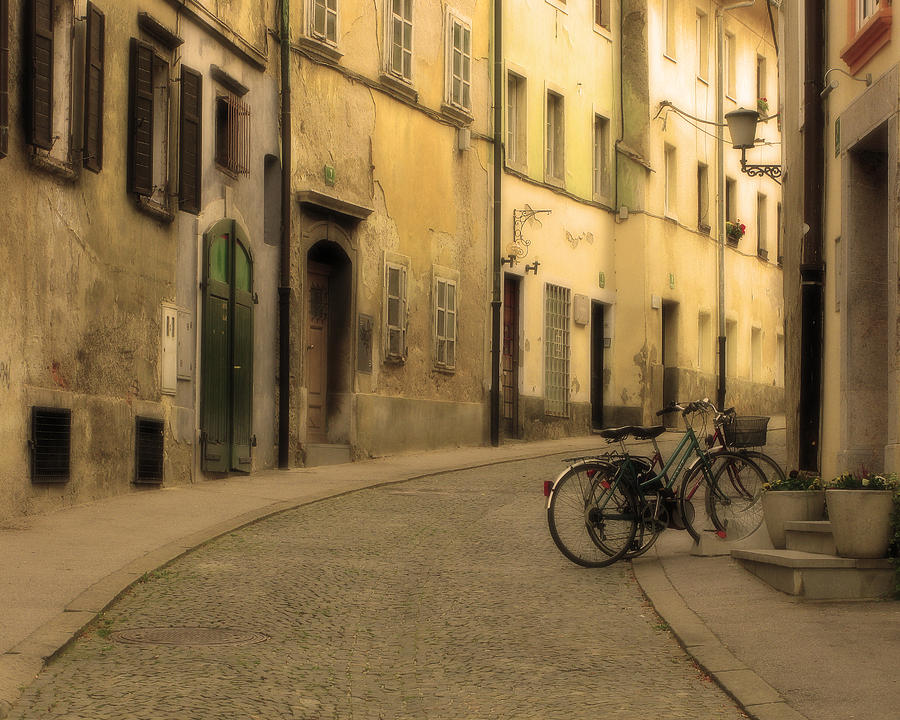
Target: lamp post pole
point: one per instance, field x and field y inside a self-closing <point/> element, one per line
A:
<point x="720" y="169"/>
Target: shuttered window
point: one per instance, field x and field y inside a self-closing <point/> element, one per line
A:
<point x="40" y="81"/>
<point x="4" y="77"/>
<point x="93" y="89"/>
<point x="191" y="134"/>
<point x="445" y="324"/>
<point x="395" y="312"/>
<point x="140" y="119"/>
<point x="233" y="134"/>
<point x="460" y="64"/>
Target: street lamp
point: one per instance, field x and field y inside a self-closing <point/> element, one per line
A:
<point x="742" y="126"/>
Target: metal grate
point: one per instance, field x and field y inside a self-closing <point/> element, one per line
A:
<point x="556" y="350"/>
<point x="51" y="435"/>
<point x="233" y="134"/>
<point x="148" y="451"/>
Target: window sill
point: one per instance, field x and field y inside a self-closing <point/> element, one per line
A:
<point x="762" y="254"/>
<point x="516" y="166"/>
<point x="670" y="58"/>
<point x="603" y="31"/>
<point x="556" y="182"/>
<point x="398" y="86"/>
<point x="321" y="50"/>
<point x="445" y="370"/>
<point x="869" y="39"/>
<point x="705" y="229"/>
<point x="456" y="113"/>
<point x="54" y="166"/>
<point x="701" y="79"/>
<point x="154" y="209"/>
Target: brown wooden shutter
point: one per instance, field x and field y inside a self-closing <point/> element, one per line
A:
<point x="4" y="77"/>
<point x="93" y="89"/>
<point x="191" y="138"/>
<point x="41" y="76"/>
<point x="140" y="119"/>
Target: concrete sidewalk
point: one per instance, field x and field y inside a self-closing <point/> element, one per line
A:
<point x="58" y="571"/>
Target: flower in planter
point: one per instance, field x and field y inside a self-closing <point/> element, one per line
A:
<point x="864" y="480"/>
<point x="796" y="480"/>
<point x="734" y="231"/>
<point x="762" y="106"/>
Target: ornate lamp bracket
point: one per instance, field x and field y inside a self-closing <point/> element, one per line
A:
<point x="773" y="171"/>
<point x="521" y="218"/>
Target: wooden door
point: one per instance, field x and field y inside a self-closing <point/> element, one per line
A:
<point x="510" y="359"/>
<point x="241" y="359"/>
<point x="597" y="344"/>
<point x="317" y="352"/>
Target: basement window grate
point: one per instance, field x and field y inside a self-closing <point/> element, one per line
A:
<point x="51" y="441"/>
<point x="148" y="451"/>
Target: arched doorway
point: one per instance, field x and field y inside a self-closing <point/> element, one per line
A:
<point x="226" y="379"/>
<point x="328" y="348"/>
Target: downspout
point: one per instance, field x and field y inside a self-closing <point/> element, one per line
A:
<point x="812" y="268"/>
<point x="284" y="286"/>
<point x="720" y="170"/>
<point x="498" y="217"/>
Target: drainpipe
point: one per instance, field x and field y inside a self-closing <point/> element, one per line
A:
<point x="284" y="286"/>
<point x="498" y="217"/>
<point x="720" y="170"/>
<point x="812" y="269"/>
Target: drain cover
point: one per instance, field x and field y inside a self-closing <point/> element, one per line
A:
<point x="188" y="636"/>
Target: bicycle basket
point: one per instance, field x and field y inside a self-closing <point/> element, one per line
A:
<point x="746" y="431"/>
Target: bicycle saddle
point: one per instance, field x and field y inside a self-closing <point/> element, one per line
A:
<point x="648" y="433"/>
<point x="619" y="433"/>
<point x="638" y="432"/>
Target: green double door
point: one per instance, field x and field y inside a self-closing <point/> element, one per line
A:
<point x="227" y="361"/>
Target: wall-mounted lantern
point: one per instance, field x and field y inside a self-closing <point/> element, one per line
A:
<point x="742" y="126"/>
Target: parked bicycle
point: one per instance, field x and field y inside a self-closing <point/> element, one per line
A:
<point x="604" y="508"/>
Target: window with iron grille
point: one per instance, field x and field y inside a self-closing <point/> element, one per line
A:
<point x="51" y="439"/>
<point x="148" y="450"/>
<point x="445" y="317"/>
<point x="400" y="31"/>
<point x="233" y="134"/>
<point x="323" y="20"/>
<point x="459" y="63"/>
<point x="395" y="311"/>
<point x="556" y="350"/>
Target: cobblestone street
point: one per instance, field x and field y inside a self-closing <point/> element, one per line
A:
<point x="436" y="598"/>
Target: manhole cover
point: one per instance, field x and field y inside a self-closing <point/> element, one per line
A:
<point x="188" y="636"/>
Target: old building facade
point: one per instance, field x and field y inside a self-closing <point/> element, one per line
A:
<point x="841" y="106"/>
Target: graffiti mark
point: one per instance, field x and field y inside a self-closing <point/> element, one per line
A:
<point x="58" y="377"/>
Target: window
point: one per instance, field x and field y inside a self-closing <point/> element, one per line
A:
<point x="702" y="41"/>
<point x="731" y="354"/>
<point x="761" y="78"/>
<point x="671" y="179"/>
<point x="190" y="174"/>
<point x="400" y="39"/>
<point x="762" y="226"/>
<point x="233" y="134"/>
<point x="703" y="197"/>
<point x="323" y="20"/>
<point x="556" y="350"/>
<point x="601" y="13"/>
<point x="94" y="60"/>
<point x="756" y="366"/>
<point x="395" y="309"/>
<point x="445" y="317"/>
<point x="730" y="200"/>
<point x="148" y="115"/>
<point x="459" y="63"/>
<point x="870" y="31"/>
<point x="704" y="343"/>
<point x="601" y="157"/>
<point x="779" y="361"/>
<point x="515" y="120"/>
<point x="728" y="71"/>
<point x="866" y="9"/>
<point x="670" y="28"/>
<point x="556" y="166"/>
<point x="778" y="235"/>
<point x="4" y="77"/>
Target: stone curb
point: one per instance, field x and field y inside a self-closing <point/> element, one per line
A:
<point x="753" y="694"/>
<point x="21" y="665"/>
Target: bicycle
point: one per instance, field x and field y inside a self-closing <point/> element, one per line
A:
<point x="741" y="433"/>
<point x="597" y="507"/>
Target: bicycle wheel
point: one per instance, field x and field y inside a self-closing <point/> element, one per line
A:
<point x="771" y="469"/>
<point x="592" y="521"/>
<point x="694" y="498"/>
<point x="735" y="503"/>
<point x="650" y="517"/>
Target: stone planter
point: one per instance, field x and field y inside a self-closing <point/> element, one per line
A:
<point x="860" y="521"/>
<point x="785" y="505"/>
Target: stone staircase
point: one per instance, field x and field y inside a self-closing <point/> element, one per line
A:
<point x="809" y="568"/>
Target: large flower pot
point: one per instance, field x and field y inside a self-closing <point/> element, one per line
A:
<point x="860" y="521"/>
<point x="785" y="505"/>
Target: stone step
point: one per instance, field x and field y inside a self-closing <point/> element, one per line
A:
<point x="812" y="536"/>
<point x="318" y="454"/>
<point x="814" y="576"/>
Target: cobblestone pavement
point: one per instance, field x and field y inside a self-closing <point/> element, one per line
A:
<point x="437" y="598"/>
